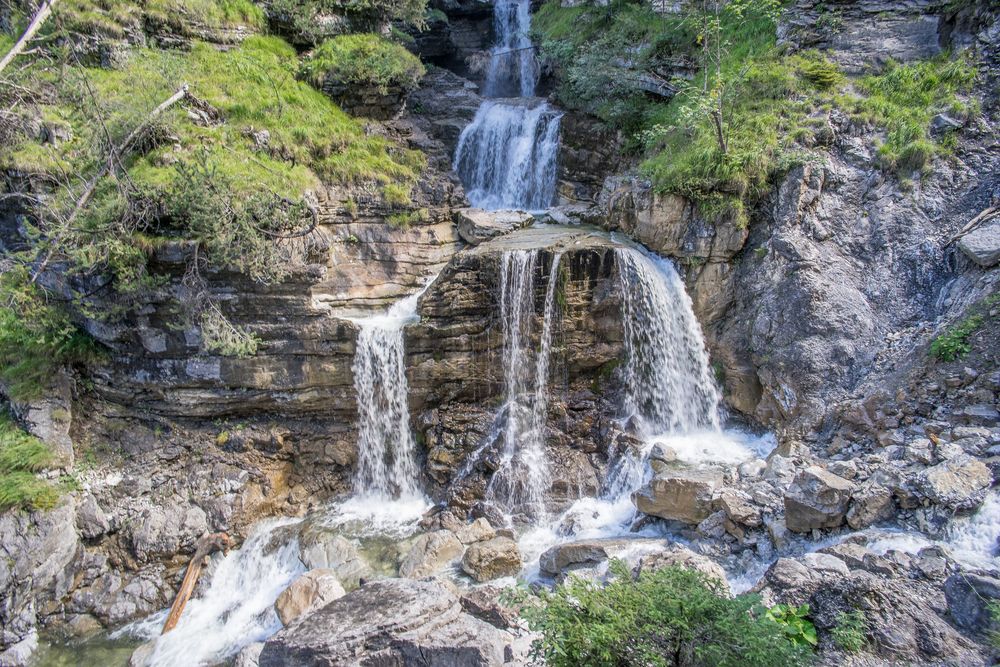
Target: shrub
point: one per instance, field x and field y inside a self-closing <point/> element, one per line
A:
<point x="363" y="60"/>
<point x="307" y="21"/>
<point x="671" y="616"/>
<point x="21" y="456"/>
<point x="954" y="343"/>
<point x="795" y="622"/>
<point x="849" y="633"/>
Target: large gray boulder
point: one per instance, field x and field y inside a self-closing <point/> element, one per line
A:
<point x="430" y="553"/>
<point x="390" y="622"/>
<point x="492" y="559"/>
<point x="982" y="245"/>
<point x="307" y="593"/>
<point x="959" y="483"/>
<point x="680" y="495"/>
<point x="321" y="549"/>
<point x="816" y="499"/>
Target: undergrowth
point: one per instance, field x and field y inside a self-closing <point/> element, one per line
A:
<point x="365" y="60"/>
<point x="956" y="342"/>
<point x="21" y="457"/>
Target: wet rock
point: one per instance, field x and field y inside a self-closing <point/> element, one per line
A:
<point x="680" y="495"/>
<point x="492" y="559"/>
<point x="477" y="531"/>
<point x="322" y="550"/>
<point x="969" y="596"/>
<point x="662" y="458"/>
<point x="390" y="622"/>
<point x="476" y="225"/>
<point x="870" y="504"/>
<point x="564" y="557"/>
<point x="817" y="499"/>
<point x="430" y="553"/>
<point x="249" y="656"/>
<point x="959" y="483"/>
<point x="309" y="592"/>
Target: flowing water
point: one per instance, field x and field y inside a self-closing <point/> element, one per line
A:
<point x="520" y="483"/>
<point x="507" y="156"/>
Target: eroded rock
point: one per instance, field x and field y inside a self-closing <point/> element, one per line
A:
<point x="492" y="559"/>
<point x="817" y="499"/>
<point x="679" y="495"/>
<point x="309" y="592"/>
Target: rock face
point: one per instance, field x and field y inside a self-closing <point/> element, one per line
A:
<point x="308" y="593"/>
<point x="817" y="499"/>
<point x="390" y="622"/>
<point x="681" y="495"/>
<point x="492" y="559"/>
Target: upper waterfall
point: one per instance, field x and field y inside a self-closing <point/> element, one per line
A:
<point x="513" y="69"/>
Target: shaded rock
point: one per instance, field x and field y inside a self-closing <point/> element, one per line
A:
<point x="982" y="245"/>
<point x="677" y="555"/>
<point x="969" y="596"/>
<point x="483" y="603"/>
<point x="90" y="518"/>
<point x="322" y="550"/>
<point x="959" y="483"/>
<point x="869" y="505"/>
<point x="682" y="495"/>
<point x="563" y="557"/>
<point x="476" y="225"/>
<point x="492" y="559"/>
<point x="817" y="499"/>
<point x="165" y="530"/>
<point x="390" y="622"/>
<point x="430" y="553"/>
<point x="309" y="592"/>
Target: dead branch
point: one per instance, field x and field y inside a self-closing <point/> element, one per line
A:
<point x="983" y="216"/>
<point x="205" y="547"/>
<point x="36" y="23"/>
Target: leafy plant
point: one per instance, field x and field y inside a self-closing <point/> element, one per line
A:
<point x="795" y="623"/>
<point x="672" y="616"/>
<point x="954" y="343"/>
<point x="849" y="633"/>
<point x="363" y="60"/>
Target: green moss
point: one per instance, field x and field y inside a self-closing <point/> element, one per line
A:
<point x="114" y="18"/>
<point x="363" y="60"/>
<point x="21" y="457"/>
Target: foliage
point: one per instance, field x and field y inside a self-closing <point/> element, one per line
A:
<point x="954" y="343"/>
<point x="21" y="456"/>
<point x="993" y="633"/>
<point x="795" y="622"/>
<point x="904" y="98"/>
<point x="303" y="19"/>
<point x="36" y="337"/>
<point x="671" y="616"/>
<point x="363" y="60"/>
<point x="849" y="633"/>
<point x="115" y="18"/>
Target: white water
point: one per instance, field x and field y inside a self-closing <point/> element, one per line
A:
<point x="513" y="68"/>
<point x="236" y="610"/>
<point x="519" y="485"/>
<point x="507" y="156"/>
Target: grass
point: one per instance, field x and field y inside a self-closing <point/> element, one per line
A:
<point x="366" y="60"/>
<point x="21" y="457"/>
<point x="114" y="18"/>
<point x="955" y="343"/>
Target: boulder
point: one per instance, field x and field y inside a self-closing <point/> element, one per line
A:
<point x="476" y="225"/>
<point x="430" y="553"/>
<point x="390" y="622"/>
<point x="680" y="495"/>
<point x="563" y="557"/>
<point x="982" y="244"/>
<point x="738" y="507"/>
<point x="477" y="531"/>
<point x="323" y="550"/>
<point x="90" y="518"/>
<point x="309" y="592"/>
<point x="969" y="596"/>
<point x="870" y="504"/>
<point x="492" y="559"/>
<point x="816" y="499"/>
<point x="959" y="483"/>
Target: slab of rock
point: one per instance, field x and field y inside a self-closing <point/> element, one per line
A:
<point x="680" y="495"/>
<point x="739" y="508"/>
<point x="492" y="559"/>
<point x="982" y="245"/>
<point x="816" y="499"/>
<point x="869" y="505"/>
<point x="309" y="592"/>
<point x="477" y="531"/>
<point x="430" y="553"/>
<point x="390" y="622"/>
<point x="321" y="549"/>
<point x="959" y="483"/>
<point x="476" y="225"/>
<point x="562" y="557"/>
<point x="968" y="598"/>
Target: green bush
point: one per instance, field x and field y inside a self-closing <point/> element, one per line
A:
<point x="21" y="456"/>
<point x="795" y="622"/>
<point x="303" y="22"/>
<point x="849" y="633"/>
<point x="671" y="616"/>
<point x="363" y="60"/>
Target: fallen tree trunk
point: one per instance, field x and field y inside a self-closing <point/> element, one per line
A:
<point x="36" y="23"/>
<point x="205" y="547"/>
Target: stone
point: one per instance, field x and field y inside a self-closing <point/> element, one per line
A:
<point x="320" y="549"/>
<point x="677" y="555"/>
<point x="90" y="518"/>
<point x="309" y="592"/>
<point x="477" y="531"/>
<point x="825" y="563"/>
<point x="391" y="622"/>
<point x="739" y="507"/>
<point x="492" y="559"/>
<point x="249" y="656"/>
<point x="817" y="499"/>
<point x="430" y="553"/>
<point x="870" y="504"/>
<point x="661" y="458"/>
<point x="679" y="495"/>
<point x="568" y="556"/>
<point x="982" y="244"/>
<point x="959" y="483"/>
<point x="483" y="602"/>
<point x="166" y="529"/>
<point x="476" y="225"/>
<point x="968" y="597"/>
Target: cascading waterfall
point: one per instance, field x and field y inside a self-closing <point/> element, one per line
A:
<point x="506" y="157"/>
<point x="521" y="481"/>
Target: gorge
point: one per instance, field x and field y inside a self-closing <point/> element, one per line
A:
<point x="438" y="311"/>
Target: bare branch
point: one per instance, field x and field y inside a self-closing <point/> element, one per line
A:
<point x="36" y="23"/>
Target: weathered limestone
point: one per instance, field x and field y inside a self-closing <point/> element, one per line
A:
<point x="492" y="559"/>
<point x="430" y="553"/>
<point x="680" y="495"/>
<point x="476" y="225"/>
<point x="817" y="499"/>
<point x="959" y="484"/>
<point x="309" y="592"/>
<point x="982" y="245"/>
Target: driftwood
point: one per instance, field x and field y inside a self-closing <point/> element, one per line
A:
<point x="36" y="23"/>
<point x="205" y="547"/>
<point x="983" y="216"/>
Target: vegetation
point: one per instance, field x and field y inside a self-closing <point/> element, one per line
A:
<point x="849" y="633"/>
<point x="365" y="60"/>
<point x="954" y="343"/>
<point x="795" y="622"/>
<point x="671" y="616"/>
<point x="21" y="457"/>
<point x="115" y="18"/>
<point x="302" y="18"/>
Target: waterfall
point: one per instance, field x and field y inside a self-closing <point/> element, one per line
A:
<point x="507" y="156"/>
<point x="522" y="479"/>
<point x="235" y="610"/>
<point x="513" y="68"/>
<point x="387" y="460"/>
